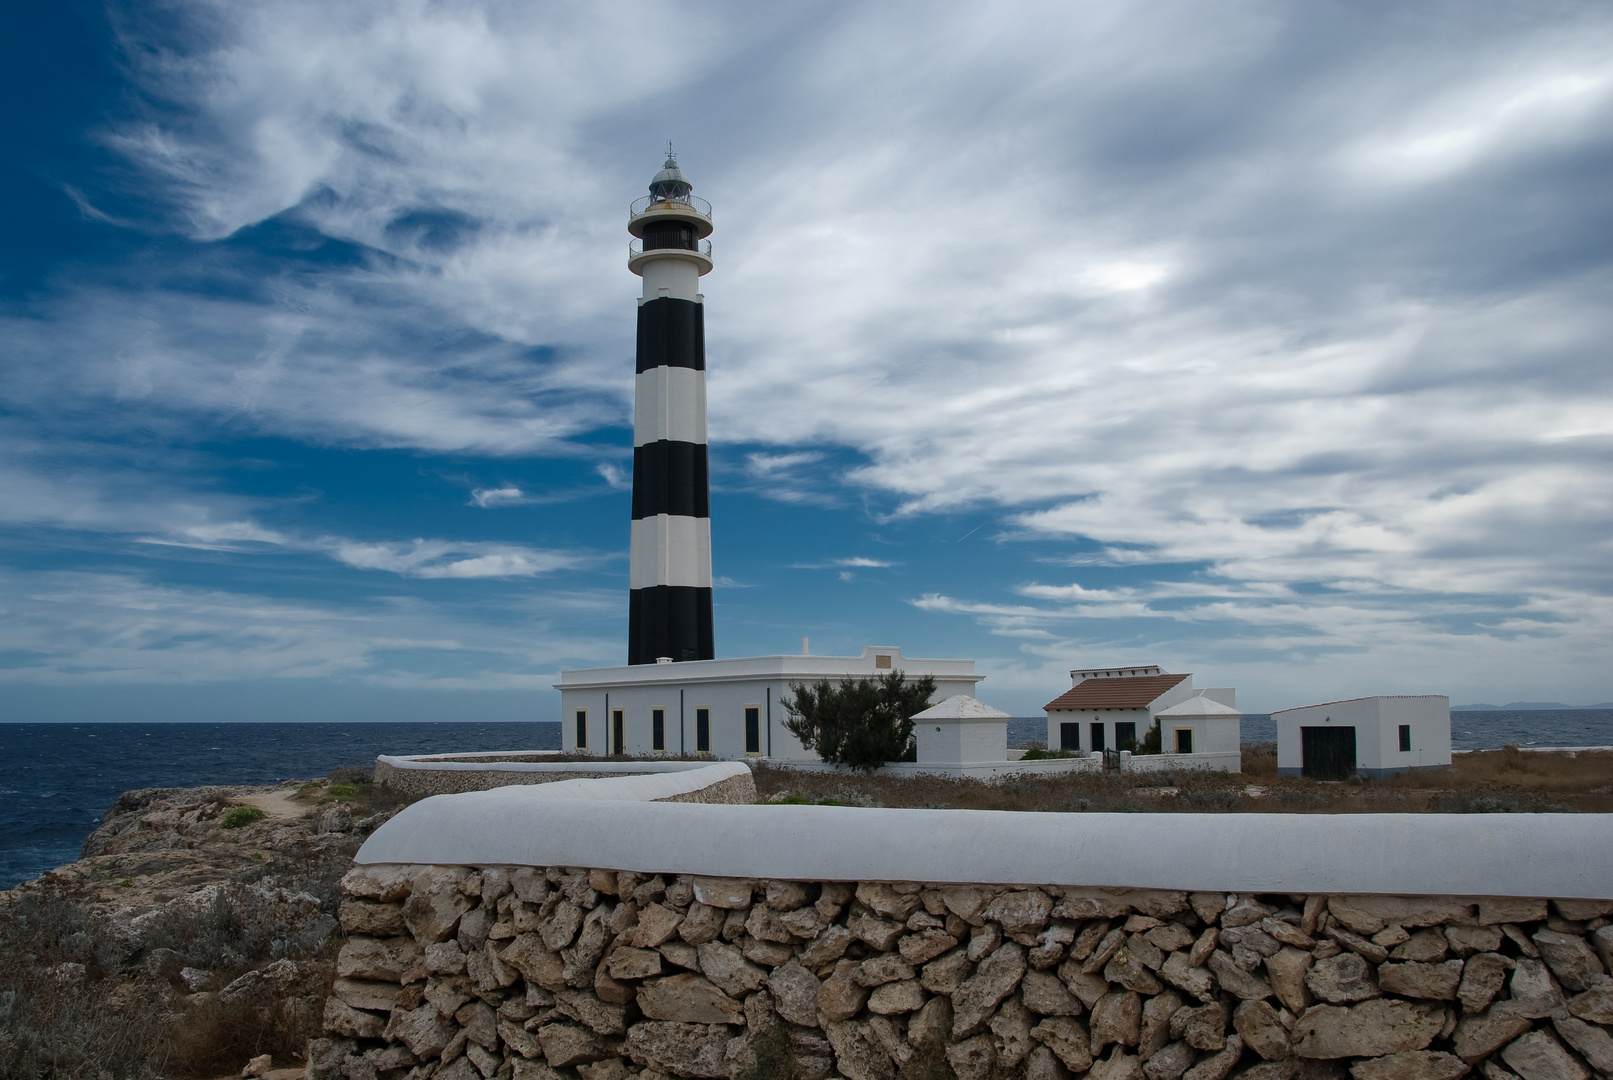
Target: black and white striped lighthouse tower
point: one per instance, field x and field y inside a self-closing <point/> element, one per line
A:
<point x="669" y="615"/>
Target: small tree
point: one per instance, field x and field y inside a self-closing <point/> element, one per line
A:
<point x="858" y="722"/>
<point x="1152" y="741"/>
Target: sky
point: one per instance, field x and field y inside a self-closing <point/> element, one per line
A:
<point x="1266" y="341"/>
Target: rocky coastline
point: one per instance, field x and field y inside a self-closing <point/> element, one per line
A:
<point x="196" y="931"/>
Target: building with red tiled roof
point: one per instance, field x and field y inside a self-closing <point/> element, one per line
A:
<point x="1110" y="708"/>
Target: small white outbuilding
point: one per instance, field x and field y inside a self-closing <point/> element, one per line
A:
<point x="1371" y="736"/>
<point x="961" y="731"/>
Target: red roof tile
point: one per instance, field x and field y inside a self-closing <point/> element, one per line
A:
<point x="1131" y="693"/>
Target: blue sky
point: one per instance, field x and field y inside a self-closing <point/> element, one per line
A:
<point x="1267" y="341"/>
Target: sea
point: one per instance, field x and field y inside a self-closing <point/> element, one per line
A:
<point x="59" y="779"/>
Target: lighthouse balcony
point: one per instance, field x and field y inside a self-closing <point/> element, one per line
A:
<point x="669" y="245"/>
<point x="689" y="204"/>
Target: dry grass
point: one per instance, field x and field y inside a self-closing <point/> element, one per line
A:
<point x="1509" y="781"/>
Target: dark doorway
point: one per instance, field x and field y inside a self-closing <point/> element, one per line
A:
<point x="702" y="731"/>
<point x="1327" y="753"/>
<point x="1184" y="740"/>
<point x="1126" y="736"/>
<point x="618" y="725"/>
<point x="1097" y="737"/>
<point x="753" y="730"/>
<point x="657" y="729"/>
<point x="1069" y="736"/>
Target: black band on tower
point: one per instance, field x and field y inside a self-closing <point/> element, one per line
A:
<point x="669" y="620"/>
<point x="670" y="478"/>
<point x="671" y="333"/>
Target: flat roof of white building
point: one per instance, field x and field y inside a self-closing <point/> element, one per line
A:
<point x="875" y="660"/>
<point x="1368" y="697"/>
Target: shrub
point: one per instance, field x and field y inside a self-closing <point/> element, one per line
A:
<point x="1153" y="741"/>
<point x="242" y="815"/>
<point x="859" y="722"/>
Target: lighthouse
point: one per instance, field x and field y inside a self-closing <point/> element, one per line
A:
<point x="669" y="611"/>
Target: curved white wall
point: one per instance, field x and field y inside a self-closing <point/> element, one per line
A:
<point x="1534" y="855"/>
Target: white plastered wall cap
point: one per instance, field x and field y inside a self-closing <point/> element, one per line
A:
<point x="1552" y="855"/>
<point x="1199" y="706"/>
<point x="961" y="707"/>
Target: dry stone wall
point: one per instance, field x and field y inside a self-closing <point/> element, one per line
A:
<point x="530" y="973"/>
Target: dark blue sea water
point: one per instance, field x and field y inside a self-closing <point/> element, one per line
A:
<point x="60" y="778"/>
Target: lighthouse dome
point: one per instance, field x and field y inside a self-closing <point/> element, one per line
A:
<point x="670" y="183"/>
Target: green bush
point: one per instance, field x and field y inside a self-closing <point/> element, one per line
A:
<point x="242" y="815"/>
<point x="1153" y="741"/>
<point x="858" y="722"/>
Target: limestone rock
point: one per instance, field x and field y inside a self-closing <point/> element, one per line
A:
<point x="894" y="998"/>
<point x="925" y="945"/>
<point x="978" y="996"/>
<point x="1370" y="1029"/>
<point x="380" y="959"/>
<point x="858" y="1053"/>
<point x="1430" y="981"/>
<point x="702" y="924"/>
<point x="1244" y="911"/>
<point x="1369" y="914"/>
<point x="1203" y="1027"/>
<point x="386" y="884"/>
<point x="1127" y="968"/>
<point x="1169" y="1062"/>
<point x="479" y="1023"/>
<point x="795" y="991"/>
<point x="520" y="1040"/>
<point x="884" y="900"/>
<point x="362" y="994"/>
<point x="372" y="918"/>
<point x="687" y="999"/>
<point x="1104" y="952"/>
<point x="1480" y="1035"/>
<point x="1011" y="1032"/>
<point x="1423" y="947"/>
<point x="965" y="901"/>
<point x="684" y="1049"/>
<point x="424" y="1030"/>
<point x="1508" y="909"/>
<point x="596" y="1015"/>
<point x="973" y="1059"/>
<point x="1216" y="1066"/>
<point x="1119" y="1065"/>
<point x="1374" y="952"/>
<point x="1534" y="992"/>
<point x="1262" y="1030"/>
<point x="446" y="957"/>
<point x="342" y="1019"/>
<point x="804" y="923"/>
<point x="1583" y="910"/>
<point x="946" y="973"/>
<point x="1602" y="940"/>
<point x="560" y="927"/>
<point x="656" y="924"/>
<point x="1234" y="980"/>
<point x="1203" y="947"/>
<point x="1570" y="958"/>
<point x="1045" y="995"/>
<point x="631" y="963"/>
<point x="727" y="893"/>
<point x="1155" y="1031"/>
<point x="1091" y="904"/>
<point x="434" y="916"/>
<point x="1483" y="976"/>
<point x="880" y="934"/>
<point x="1116" y="1018"/>
<point x="1594" y="1044"/>
<point x="1196" y="981"/>
<point x="788" y="895"/>
<point x="1067" y="1038"/>
<point x="840" y="996"/>
<point x="1467" y="940"/>
<point x="1287" y="969"/>
<point x="1042" y="1064"/>
<point x="1411" y="1065"/>
<point x="983" y="941"/>
<point x="1538" y="1056"/>
<point x="933" y="1023"/>
<point x="878" y="970"/>
<point x="726" y="966"/>
<point x="765" y="924"/>
<point x="828" y="946"/>
<point x="1089" y="988"/>
<point x="1020" y="910"/>
<point x="1595" y="1004"/>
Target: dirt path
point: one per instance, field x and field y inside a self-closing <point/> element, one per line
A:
<point x="277" y="804"/>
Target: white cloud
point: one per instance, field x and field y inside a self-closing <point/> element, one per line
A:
<point x="444" y="559"/>
<point x="487" y="498"/>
